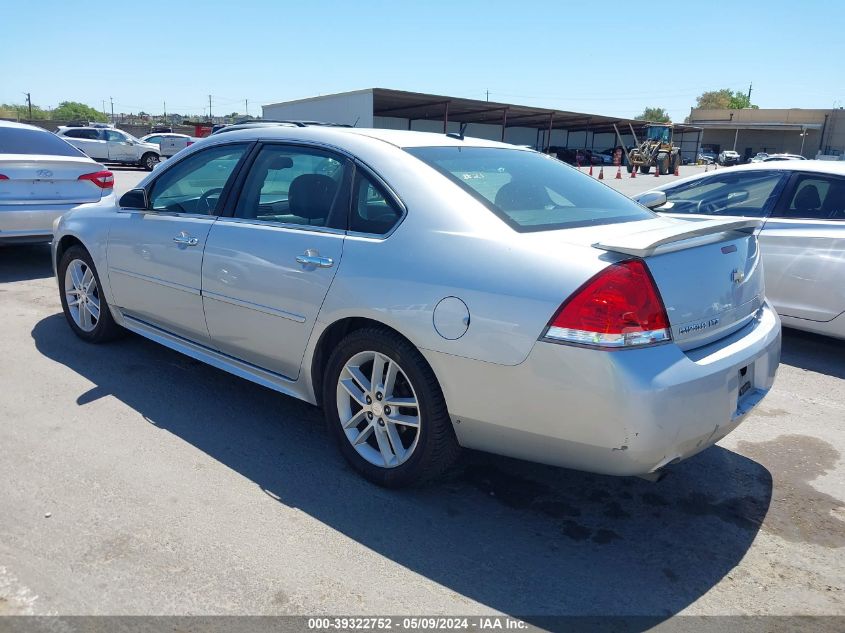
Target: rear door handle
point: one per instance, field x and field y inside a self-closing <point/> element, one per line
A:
<point x="185" y="239"/>
<point x="311" y="259"/>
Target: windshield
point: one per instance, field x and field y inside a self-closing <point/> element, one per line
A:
<point x="24" y="141"/>
<point x="531" y="191"/>
<point x="658" y="134"/>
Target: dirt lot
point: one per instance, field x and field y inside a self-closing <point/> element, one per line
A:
<point x="135" y="480"/>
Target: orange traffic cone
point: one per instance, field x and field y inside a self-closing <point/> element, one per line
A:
<point x="591" y="169"/>
<point x="601" y="173"/>
<point x="634" y="172"/>
<point x="657" y="170"/>
<point x="619" y="173"/>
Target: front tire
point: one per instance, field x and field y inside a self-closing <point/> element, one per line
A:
<point x="149" y="161"/>
<point x="83" y="303"/>
<point x="386" y="410"/>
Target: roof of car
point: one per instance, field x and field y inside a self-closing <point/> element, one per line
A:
<point x="399" y="138"/>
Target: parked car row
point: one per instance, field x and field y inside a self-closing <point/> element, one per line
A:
<point x="321" y="262"/>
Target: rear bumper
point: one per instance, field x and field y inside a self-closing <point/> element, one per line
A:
<point x="20" y="223"/>
<point x="627" y="412"/>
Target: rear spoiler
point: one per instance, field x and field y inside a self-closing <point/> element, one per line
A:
<point x="676" y="236"/>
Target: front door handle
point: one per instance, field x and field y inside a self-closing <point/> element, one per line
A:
<point x="312" y="258"/>
<point x="185" y="239"/>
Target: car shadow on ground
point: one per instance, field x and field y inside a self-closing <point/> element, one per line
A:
<point x="813" y="352"/>
<point x="523" y="539"/>
<point x="24" y="262"/>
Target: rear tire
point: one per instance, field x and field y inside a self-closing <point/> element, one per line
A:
<point x="421" y="444"/>
<point x="83" y="303"/>
<point x="644" y="169"/>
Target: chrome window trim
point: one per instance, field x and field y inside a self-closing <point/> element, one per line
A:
<point x="281" y="225"/>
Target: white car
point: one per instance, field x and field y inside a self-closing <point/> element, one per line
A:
<point x="801" y="205"/>
<point x="42" y="177"/>
<point x="169" y="143"/>
<point x="109" y="145"/>
<point x="729" y="157"/>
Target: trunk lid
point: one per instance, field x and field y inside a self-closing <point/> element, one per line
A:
<point x="708" y="272"/>
<point x="47" y="179"/>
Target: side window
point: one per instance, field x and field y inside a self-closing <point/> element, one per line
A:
<point x="155" y="140"/>
<point x="111" y="135"/>
<point x="294" y="185"/>
<point x="82" y="133"/>
<point x="194" y="184"/>
<point x="816" y="197"/>
<point x="750" y="194"/>
<point x="372" y="211"/>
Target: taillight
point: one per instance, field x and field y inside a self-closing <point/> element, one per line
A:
<point x="4" y="177"/>
<point x="103" y="179"/>
<point x="619" y="307"/>
<point x="189" y="143"/>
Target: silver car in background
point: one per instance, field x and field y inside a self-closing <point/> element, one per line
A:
<point x="801" y="207"/>
<point x="42" y="177"/>
<point x="432" y="292"/>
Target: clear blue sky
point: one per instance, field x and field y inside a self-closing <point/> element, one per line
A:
<point x="565" y="55"/>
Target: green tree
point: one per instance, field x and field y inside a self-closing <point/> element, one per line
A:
<point x="75" y="111"/>
<point x="658" y="115"/>
<point x="724" y="99"/>
<point x="21" y="111"/>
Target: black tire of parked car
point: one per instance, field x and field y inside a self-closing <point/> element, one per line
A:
<point x="106" y="329"/>
<point x="149" y="161"/>
<point x="437" y="447"/>
<point x="644" y="169"/>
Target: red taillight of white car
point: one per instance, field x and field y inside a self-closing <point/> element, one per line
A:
<point x="620" y="307"/>
<point x="103" y="179"/>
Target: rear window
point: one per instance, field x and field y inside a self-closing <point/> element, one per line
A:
<point x="531" y="191"/>
<point x="23" y="141"/>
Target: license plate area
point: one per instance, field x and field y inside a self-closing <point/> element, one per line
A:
<point x="747" y="394"/>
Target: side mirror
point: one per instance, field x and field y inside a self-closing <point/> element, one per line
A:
<point x="652" y="199"/>
<point x="134" y="199"/>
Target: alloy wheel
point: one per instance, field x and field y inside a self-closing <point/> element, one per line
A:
<point x="83" y="295"/>
<point x="378" y="409"/>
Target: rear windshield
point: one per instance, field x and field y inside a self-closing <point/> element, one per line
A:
<point x="531" y="191"/>
<point x="23" y="141"/>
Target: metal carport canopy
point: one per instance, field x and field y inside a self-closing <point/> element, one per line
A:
<point x="420" y="106"/>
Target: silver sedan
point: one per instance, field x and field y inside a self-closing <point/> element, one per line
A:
<point x="42" y="177"/>
<point x="432" y="293"/>
<point x="801" y="208"/>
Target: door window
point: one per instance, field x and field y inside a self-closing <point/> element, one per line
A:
<point x="83" y="133"/>
<point x="194" y="184"/>
<point x="816" y="197"/>
<point x="111" y="135"/>
<point x="372" y="211"/>
<point x="294" y="185"/>
<point x="750" y="194"/>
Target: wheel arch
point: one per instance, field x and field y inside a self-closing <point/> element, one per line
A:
<point x="333" y="334"/>
<point x="63" y="245"/>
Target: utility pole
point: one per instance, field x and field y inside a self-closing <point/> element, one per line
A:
<point x="165" y="110"/>
<point x="29" y="104"/>
<point x="104" y="108"/>
<point x="112" y="110"/>
<point x="749" y="94"/>
<point x="209" y="108"/>
<point x="246" y="107"/>
<point x="488" y="95"/>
